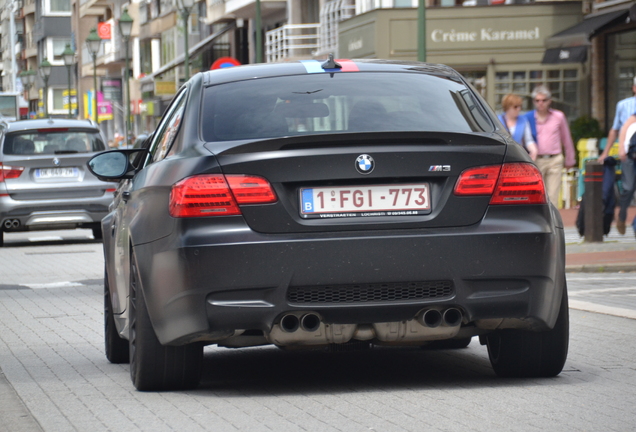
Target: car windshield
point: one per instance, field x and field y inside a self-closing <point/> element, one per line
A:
<point x="340" y="102"/>
<point x="50" y="141"/>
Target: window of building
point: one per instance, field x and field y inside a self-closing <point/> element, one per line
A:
<point x="54" y="49"/>
<point x="145" y="56"/>
<point x="144" y="12"/>
<point x="57" y="100"/>
<point x="193" y="25"/>
<point x="62" y="7"/>
<point x="168" y="46"/>
<point x="562" y="83"/>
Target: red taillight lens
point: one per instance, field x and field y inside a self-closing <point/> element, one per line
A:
<point x="251" y="189"/>
<point x="512" y="183"/>
<point x="519" y="183"/>
<point x="9" y="172"/>
<point x="213" y="195"/>
<point x="477" y="181"/>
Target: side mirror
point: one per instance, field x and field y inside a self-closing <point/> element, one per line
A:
<point x="113" y="165"/>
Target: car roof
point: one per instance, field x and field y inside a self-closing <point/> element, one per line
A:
<point x="23" y="125"/>
<point x="302" y="67"/>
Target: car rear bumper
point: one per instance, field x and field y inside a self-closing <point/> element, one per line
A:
<point x="507" y="271"/>
<point x="25" y="215"/>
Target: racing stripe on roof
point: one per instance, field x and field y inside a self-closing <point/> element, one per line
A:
<point x="312" y="66"/>
<point x="348" y="65"/>
<point x="315" y="66"/>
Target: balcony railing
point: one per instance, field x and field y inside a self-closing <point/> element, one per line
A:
<point x="291" y="41"/>
<point x="330" y="16"/>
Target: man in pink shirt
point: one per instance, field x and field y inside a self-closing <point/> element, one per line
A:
<point x="552" y="134"/>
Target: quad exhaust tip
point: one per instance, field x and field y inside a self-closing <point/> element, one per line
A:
<point x="11" y="224"/>
<point x="433" y="318"/>
<point x="289" y="323"/>
<point x="452" y="317"/>
<point x="310" y="322"/>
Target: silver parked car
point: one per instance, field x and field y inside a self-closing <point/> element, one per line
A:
<point x="44" y="182"/>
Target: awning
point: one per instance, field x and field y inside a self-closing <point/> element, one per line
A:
<point x="577" y="54"/>
<point x="181" y="58"/>
<point x="570" y="45"/>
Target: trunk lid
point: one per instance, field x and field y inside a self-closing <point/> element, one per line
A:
<point x="405" y="166"/>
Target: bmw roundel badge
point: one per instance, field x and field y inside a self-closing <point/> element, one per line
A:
<point x="365" y="164"/>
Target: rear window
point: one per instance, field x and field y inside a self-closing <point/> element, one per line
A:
<point x="338" y="103"/>
<point x="53" y="142"/>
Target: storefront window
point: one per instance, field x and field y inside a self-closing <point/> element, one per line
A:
<point x="563" y="83"/>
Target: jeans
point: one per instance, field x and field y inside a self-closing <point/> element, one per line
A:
<point x="627" y="177"/>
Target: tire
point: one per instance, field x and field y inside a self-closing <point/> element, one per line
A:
<point x="116" y="348"/>
<point x="527" y="354"/>
<point x="448" y="344"/>
<point x="97" y="233"/>
<point x="155" y="367"/>
<point x="1" y="238"/>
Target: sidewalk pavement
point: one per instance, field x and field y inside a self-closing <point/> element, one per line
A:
<point x="617" y="253"/>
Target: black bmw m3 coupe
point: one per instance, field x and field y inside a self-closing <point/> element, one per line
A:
<point x="315" y="203"/>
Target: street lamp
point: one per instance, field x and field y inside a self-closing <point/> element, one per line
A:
<point x="185" y="6"/>
<point x="45" y="72"/>
<point x="28" y="79"/>
<point x="93" y="42"/>
<point x="69" y="57"/>
<point x="125" y="28"/>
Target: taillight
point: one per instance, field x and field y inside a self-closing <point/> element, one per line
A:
<point x="519" y="183"/>
<point x="214" y="195"/>
<point x="512" y="183"/>
<point x="477" y="181"/>
<point x="251" y="189"/>
<point x="9" y="172"/>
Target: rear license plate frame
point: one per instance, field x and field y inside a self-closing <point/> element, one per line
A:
<point x="392" y="200"/>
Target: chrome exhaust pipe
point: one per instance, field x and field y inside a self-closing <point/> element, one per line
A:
<point x="15" y="223"/>
<point x="310" y="322"/>
<point x="431" y="318"/>
<point x="289" y="323"/>
<point x="452" y="317"/>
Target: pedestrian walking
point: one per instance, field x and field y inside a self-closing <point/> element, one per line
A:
<point x="624" y="109"/>
<point x="517" y="125"/>
<point x="551" y="132"/>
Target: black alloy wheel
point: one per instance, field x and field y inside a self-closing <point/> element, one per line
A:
<point x="97" y="233"/>
<point x="527" y="354"/>
<point x="116" y="347"/>
<point x="156" y="367"/>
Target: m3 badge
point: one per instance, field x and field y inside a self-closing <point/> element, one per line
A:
<point x="439" y="168"/>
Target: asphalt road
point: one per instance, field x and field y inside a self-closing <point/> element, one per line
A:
<point x="56" y="378"/>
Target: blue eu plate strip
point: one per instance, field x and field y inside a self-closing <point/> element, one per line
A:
<point x="308" y="201"/>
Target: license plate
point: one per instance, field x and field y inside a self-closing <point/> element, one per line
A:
<point x="364" y="201"/>
<point x="65" y="172"/>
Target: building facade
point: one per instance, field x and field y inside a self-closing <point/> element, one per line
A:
<point x="584" y="51"/>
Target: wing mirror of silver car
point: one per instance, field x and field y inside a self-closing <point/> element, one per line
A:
<point x="114" y="164"/>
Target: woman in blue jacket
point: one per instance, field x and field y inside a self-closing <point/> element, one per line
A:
<point x="517" y="125"/>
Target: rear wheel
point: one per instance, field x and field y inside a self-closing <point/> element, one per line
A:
<point x="97" y="233"/>
<point x="517" y="353"/>
<point x="154" y="366"/>
<point x="116" y="347"/>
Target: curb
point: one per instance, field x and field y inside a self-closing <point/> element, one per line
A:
<point x="601" y="268"/>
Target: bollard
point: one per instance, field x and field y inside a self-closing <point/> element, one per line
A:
<point x="593" y="201"/>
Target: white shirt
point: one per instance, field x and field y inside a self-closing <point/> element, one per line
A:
<point x="628" y="135"/>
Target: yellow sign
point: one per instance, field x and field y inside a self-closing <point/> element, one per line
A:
<point x="73" y="99"/>
<point x="165" y="88"/>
